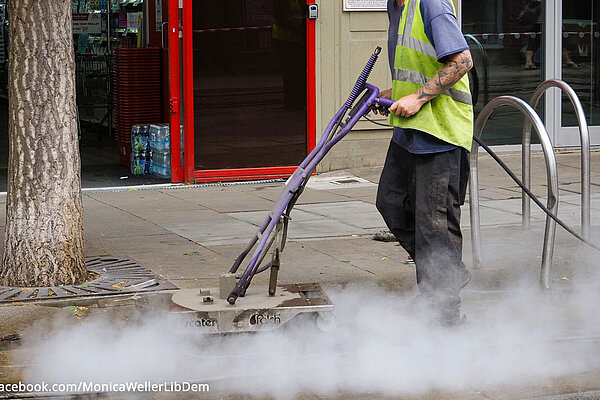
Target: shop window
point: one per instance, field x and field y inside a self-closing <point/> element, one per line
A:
<point x="507" y="41"/>
<point x="580" y="57"/>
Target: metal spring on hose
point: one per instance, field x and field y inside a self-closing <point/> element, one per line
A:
<point x="362" y="79"/>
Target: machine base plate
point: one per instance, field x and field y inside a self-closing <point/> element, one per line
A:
<point x="198" y="311"/>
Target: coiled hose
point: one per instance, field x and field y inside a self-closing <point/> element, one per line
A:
<point x="359" y="86"/>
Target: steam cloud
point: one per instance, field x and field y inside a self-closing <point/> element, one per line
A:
<point x="514" y="337"/>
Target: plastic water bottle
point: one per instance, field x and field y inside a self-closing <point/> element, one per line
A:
<point x="165" y="135"/>
<point x="138" y="163"/>
<point x="154" y="135"/>
<point x="161" y="164"/>
<point x="160" y="144"/>
<point x="139" y="138"/>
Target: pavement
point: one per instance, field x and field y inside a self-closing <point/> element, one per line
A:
<point x="189" y="235"/>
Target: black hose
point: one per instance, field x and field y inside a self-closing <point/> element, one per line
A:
<point x="528" y="192"/>
<point x="375" y="122"/>
<point x="532" y="196"/>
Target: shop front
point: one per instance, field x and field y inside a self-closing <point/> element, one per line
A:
<point x="101" y="29"/>
<point x="520" y="43"/>
<point x="253" y="104"/>
<point x="247" y="97"/>
<point x="247" y="86"/>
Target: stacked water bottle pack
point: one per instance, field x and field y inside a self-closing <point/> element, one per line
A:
<point x="140" y="150"/>
<point x="150" y="150"/>
<point x="160" y="146"/>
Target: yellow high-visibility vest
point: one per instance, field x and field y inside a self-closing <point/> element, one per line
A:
<point x="448" y="116"/>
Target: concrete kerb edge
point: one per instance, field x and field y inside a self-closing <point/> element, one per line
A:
<point x="169" y="186"/>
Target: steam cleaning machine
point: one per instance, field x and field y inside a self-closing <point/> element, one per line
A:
<point x="237" y="307"/>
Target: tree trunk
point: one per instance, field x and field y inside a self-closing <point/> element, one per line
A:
<point x="43" y="243"/>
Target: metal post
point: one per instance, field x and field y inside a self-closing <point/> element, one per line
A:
<point x="584" y="135"/>
<point x="552" y="176"/>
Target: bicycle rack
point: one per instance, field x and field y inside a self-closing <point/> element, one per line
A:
<point x="552" y="176"/>
<point x="484" y="56"/>
<point x="585" y="154"/>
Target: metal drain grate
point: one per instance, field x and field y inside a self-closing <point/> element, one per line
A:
<point x="346" y="181"/>
<point x="117" y="275"/>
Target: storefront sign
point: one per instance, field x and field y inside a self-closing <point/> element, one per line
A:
<point x="87" y="23"/>
<point x="365" y="5"/>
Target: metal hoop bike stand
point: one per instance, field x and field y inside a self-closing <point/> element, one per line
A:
<point x="584" y="135"/>
<point x="552" y="176"/>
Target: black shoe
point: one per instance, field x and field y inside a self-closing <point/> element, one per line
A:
<point x="466" y="278"/>
<point x="453" y="323"/>
<point x="449" y="312"/>
<point x="385" y="236"/>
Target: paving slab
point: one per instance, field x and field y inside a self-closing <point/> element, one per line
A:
<point x="92" y="249"/>
<point x="386" y="262"/>
<point x="202" y="226"/>
<point x="302" y="264"/>
<point x="101" y="219"/>
<point x="372" y="174"/>
<point x="357" y="193"/>
<point x="489" y="216"/>
<point x="223" y="199"/>
<point x="309" y="196"/>
<point x="142" y="202"/>
<point x="355" y="213"/>
<point x="314" y="196"/>
<point x="499" y="193"/>
<point x="303" y="224"/>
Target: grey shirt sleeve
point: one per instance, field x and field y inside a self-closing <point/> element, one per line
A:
<point x="441" y="27"/>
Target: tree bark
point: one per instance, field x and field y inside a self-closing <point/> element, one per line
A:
<point x="43" y="243"/>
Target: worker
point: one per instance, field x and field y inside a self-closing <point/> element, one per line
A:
<point x="424" y="178"/>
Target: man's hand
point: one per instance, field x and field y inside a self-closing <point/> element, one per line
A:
<point x="408" y="106"/>
<point x="385" y="94"/>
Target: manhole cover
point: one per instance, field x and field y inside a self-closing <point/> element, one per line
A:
<point x="116" y="276"/>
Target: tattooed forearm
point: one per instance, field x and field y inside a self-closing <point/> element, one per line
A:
<point x="455" y="67"/>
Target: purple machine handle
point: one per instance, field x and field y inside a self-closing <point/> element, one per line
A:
<point x="384" y="102"/>
<point x="299" y="178"/>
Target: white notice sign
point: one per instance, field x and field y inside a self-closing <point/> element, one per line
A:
<point x="133" y="21"/>
<point x="365" y="5"/>
<point x="87" y="23"/>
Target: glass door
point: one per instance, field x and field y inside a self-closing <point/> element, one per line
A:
<point x="579" y="53"/>
<point x="507" y="40"/>
<point x="249" y="83"/>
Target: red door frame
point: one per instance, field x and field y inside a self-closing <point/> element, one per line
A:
<point x="187" y="173"/>
<point x="174" y="100"/>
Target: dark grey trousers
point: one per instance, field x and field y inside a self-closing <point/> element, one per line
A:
<point x="419" y="197"/>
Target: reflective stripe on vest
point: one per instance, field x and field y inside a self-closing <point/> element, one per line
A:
<point x="448" y="116"/>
